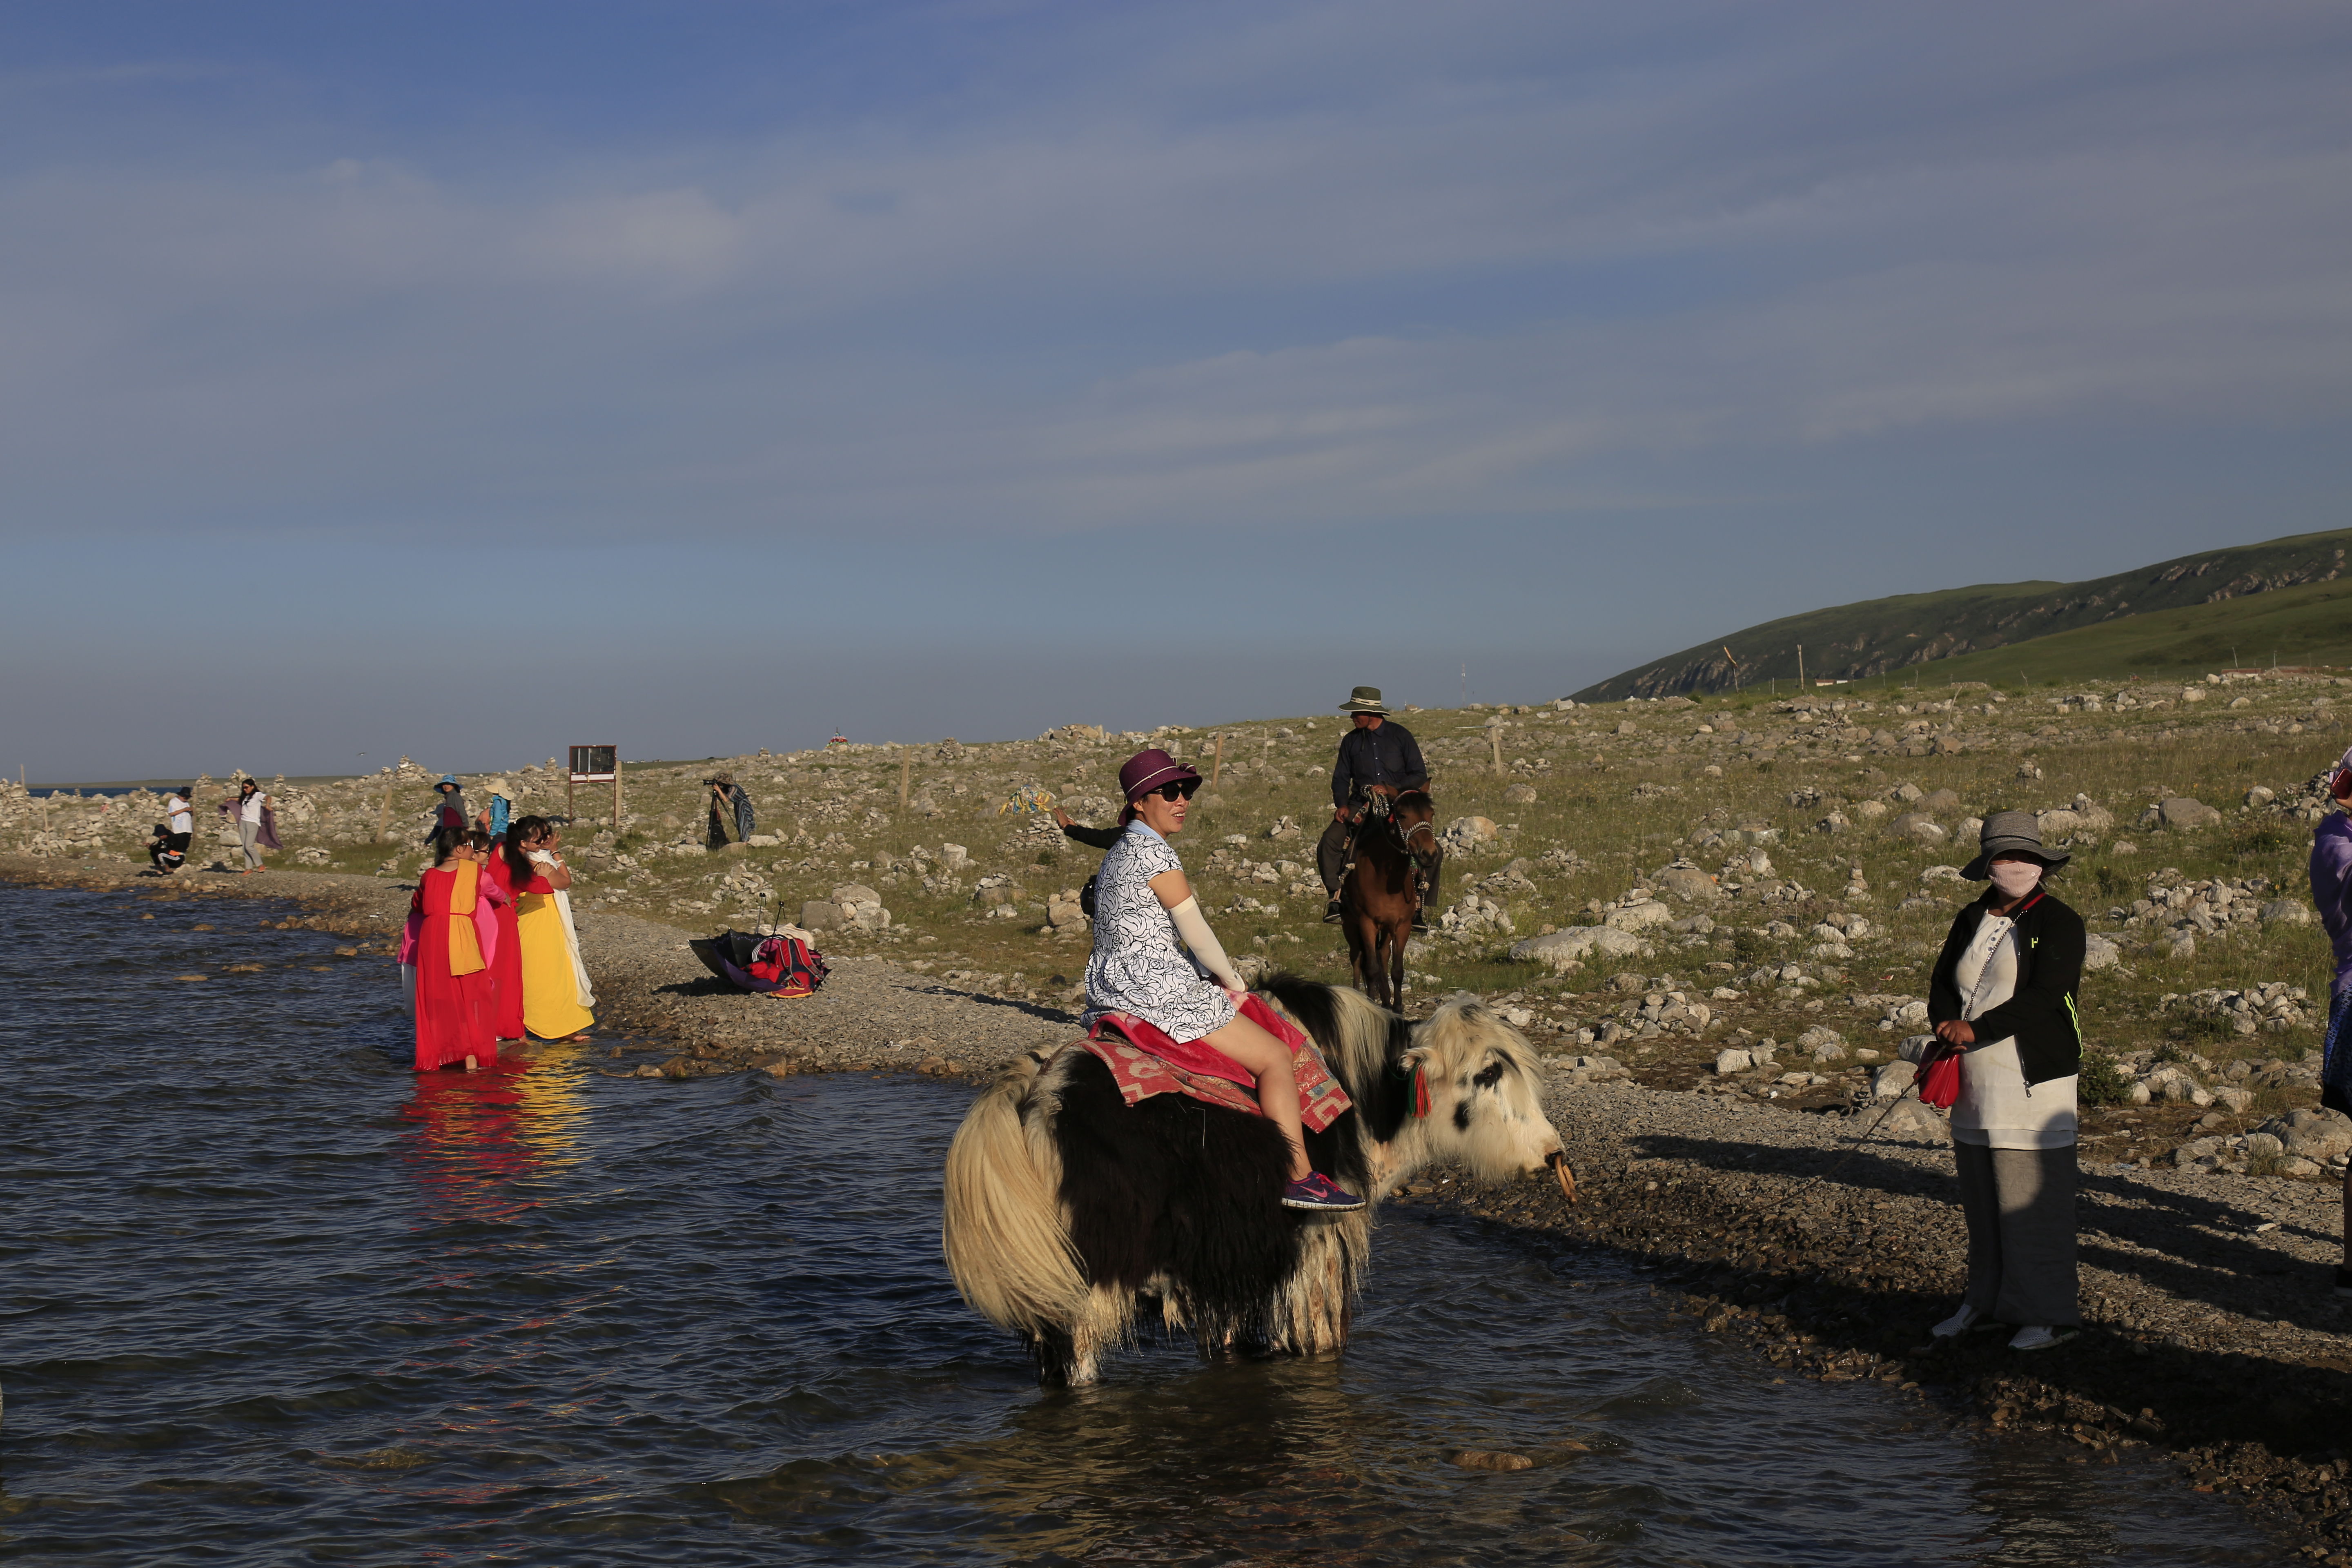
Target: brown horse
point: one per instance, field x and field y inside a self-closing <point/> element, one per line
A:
<point x="1395" y="837"/>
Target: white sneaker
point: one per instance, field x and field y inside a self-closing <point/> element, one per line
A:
<point x="1959" y="1323"/>
<point x="2035" y="1337"/>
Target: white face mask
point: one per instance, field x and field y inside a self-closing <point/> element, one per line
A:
<point x="2015" y="878"/>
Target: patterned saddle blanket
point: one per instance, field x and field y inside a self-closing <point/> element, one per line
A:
<point x="1144" y="1061"/>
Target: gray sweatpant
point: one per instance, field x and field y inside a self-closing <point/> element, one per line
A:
<point x="250" y="835"/>
<point x="2020" y="1204"/>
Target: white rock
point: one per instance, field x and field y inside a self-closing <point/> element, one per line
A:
<point x="2098" y="953"/>
<point x="1892" y="1080"/>
<point x="1638" y="917"/>
<point x="1562" y="950"/>
<point x="1732" y="1062"/>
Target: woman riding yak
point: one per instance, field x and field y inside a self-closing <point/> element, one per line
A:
<point x="1143" y="907"/>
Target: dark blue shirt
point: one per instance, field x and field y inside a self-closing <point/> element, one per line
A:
<point x="1387" y="755"/>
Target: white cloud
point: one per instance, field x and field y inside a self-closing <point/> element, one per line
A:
<point x="1316" y="264"/>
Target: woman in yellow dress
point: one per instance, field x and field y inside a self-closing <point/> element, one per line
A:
<point x="556" y="1001"/>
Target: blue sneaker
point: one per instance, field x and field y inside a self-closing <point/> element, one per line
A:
<point x="1316" y="1191"/>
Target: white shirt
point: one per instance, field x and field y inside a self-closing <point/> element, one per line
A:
<point x="1997" y="1106"/>
<point x="251" y="810"/>
<point x="181" y="819"/>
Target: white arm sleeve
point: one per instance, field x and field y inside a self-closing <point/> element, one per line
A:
<point x="1193" y="927"/>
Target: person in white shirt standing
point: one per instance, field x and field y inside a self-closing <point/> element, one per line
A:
<point x="2003" y="994"/>
<point x="170" y="851"/>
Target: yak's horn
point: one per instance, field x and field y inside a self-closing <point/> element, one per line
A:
<point x="1557" y="1161"/>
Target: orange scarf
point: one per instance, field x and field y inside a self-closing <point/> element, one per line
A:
<point x="465" y="946"/>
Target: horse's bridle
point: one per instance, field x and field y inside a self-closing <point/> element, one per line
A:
<point x="1384" y="807"/>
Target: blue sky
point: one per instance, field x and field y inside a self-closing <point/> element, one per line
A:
<point x="464" y="381"/>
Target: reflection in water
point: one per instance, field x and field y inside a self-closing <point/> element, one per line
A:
<point x="479" y="1133"/>
<point x="537" y="1314"/>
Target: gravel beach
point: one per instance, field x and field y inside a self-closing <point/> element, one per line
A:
<point x="2210" y="1327"/>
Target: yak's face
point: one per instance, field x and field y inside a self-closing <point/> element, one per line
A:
<point x="1481" y="1077"/>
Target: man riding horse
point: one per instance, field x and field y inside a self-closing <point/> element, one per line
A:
<point x="1378" y="752"/>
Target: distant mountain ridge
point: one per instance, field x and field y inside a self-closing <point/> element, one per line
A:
<point x="1876" y="636"/>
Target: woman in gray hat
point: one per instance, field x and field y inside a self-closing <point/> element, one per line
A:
<point x="2003" y="995"/>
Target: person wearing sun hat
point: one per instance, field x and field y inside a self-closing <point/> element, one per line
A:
<point x="2331" y="893"/>
<point x="1144" y="909"/>
<point x="2003" y="996"/>
<point x="1377" y="751"/>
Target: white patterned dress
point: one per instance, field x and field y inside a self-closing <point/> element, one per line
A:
<point x="1138" y="966"/>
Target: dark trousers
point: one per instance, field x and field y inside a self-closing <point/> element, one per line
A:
<point x="170" y="851"/>
<point x="2020" y="1204"/>
<point x="1332" y="863"/>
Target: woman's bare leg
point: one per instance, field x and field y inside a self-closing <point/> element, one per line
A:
<point x="1278" y="1089"/>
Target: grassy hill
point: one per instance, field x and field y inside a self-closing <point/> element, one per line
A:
<point x="2174" y="618"/>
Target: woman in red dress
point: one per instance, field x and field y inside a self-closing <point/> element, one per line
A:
<point x="453" y="980"/>
<point x="508" y="869"/>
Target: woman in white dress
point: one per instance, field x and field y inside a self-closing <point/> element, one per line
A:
<point x="2003" y="994"/>
<point x="1144" y="908"/>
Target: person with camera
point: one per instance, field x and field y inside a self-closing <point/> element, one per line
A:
<point x="729" y="805"/>
<point x="2003" y="998"/>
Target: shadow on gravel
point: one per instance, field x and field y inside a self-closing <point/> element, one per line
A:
<point x="1044" y="1014"/>
<point x="2196" y="1248"/>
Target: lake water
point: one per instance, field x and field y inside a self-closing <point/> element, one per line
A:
<point x="271" y="1298"/>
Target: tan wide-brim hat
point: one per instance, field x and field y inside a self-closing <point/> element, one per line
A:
<point x="1364" y="699"/>
<point x="2009" y="832"/>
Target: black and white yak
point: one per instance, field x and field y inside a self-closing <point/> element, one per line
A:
<point x="1067" y="1211"/>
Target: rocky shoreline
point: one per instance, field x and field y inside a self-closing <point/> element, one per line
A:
<point x="2210" y="1328"/>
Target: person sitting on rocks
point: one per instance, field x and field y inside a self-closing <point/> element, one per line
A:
<point x="2003" y="995"/>
<point x="1378" y="751"/>
<point x="2331" y="892"/>
<point x="1148" y="920"/>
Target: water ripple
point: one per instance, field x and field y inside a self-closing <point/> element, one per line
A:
<point x="269" y="1297"/>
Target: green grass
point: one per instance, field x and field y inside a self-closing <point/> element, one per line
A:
<point x="2310" y="624"/>
<point x="1928" y="633"/>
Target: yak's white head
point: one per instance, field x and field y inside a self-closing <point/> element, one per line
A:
<point x="1476" y="1101"/>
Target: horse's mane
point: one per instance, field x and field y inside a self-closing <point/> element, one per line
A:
<point x="1419" y="796"/>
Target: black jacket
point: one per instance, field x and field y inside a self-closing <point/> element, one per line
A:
<point x="2041" y="1013"/>
<point x="1388" y="755"/>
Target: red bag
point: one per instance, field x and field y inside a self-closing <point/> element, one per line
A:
<point x="1939" y="1081"/>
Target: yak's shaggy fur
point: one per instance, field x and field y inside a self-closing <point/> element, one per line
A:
<point x="1066" y="1209"/>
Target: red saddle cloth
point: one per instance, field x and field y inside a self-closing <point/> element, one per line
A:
<point x="1144" y="1061"/>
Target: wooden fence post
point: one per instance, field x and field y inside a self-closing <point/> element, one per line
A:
<point x="1495" y="734"/>
<point x="1217" y="767"/>
<point x="906" y="766"/>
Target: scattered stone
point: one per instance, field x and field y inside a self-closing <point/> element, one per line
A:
<point x="2314" y="1133"/>
<point x="1690" y="884"/>
<point x="2181" y="812"/>
<point x="1497" y="1459"/>
<point x="1563" y="950"/>
<point x="1521" y="794"/>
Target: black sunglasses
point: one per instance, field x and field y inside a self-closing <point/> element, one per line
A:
<point x="1182" y="789"/>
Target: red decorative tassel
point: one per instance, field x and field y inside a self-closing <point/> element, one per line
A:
<point x="1420" y="1094"/>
